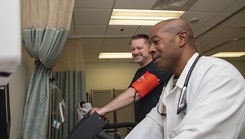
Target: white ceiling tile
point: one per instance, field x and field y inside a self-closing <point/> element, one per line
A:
<point x="229" y="34"/>
<point x="181" y="5"/>
<point x="200" y="30"/>
<point x="118" y="44"/>
<point x="134" y="4"/>
<point x="94" y="4"/>
<point x="210" y="35"/>
<point x="92" y="42"/>
<point x="228" y="46"/>
<point x="235" y="6"/>
<point x="233" y="45"/>
<point x="232" y="20"/>
<point x="242" y="11"/>
<point x="203" y="17"/>
<point x="240" y="22"/>
<point x="123" y="60"/>
<point x="90" y="30"/>
<point x="216" y="19"/>
<point x="116" y="30"/>
<point x="144" y="30"/>
<point x="241" y="35"/>
<point x="114" y="48"/>
<point x="211" y="23"/>
<point x="92" y="17"/>
<point x="211" y="5"/>
<point x="223" y="36"/>
<point x="209" y="44"/>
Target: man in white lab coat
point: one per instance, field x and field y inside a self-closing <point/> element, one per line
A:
<point x="205" y="97"/>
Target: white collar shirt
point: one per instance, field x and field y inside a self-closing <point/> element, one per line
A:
<point x="215" y="102"/>
<point x="215" y="109"/>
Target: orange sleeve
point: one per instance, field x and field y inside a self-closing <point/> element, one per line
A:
<point x="146" y="83"/>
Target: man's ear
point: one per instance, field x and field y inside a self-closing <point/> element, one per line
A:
<point x="183" y="37"/>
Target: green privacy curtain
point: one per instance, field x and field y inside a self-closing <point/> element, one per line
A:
<point x="70" y="75"/>
<point x="45" y="26"/>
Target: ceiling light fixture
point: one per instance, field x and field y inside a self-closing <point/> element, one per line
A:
<point x="141" y="17"/>
<point x="229" y="54"/>
<point x="114" y="55"/>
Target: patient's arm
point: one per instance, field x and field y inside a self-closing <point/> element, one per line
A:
<point x="123" y="100"/>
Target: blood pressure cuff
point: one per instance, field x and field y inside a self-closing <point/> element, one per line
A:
<point x="146" y="83"/>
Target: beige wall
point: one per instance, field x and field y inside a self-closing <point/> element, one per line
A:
<point x="119" y="75"/>
<point x="103" y="76"/>
<point x="109" y="75"/>
<point x="18" y="85"/>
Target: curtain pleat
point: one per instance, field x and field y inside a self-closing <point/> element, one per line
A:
<point x="45" y="46"/>
<point x="45" y="26"/>
<point x="37" y="42"/>
<point x="36" y="108"/>
<point x="72" y="86"/>
<point x="70" y="75"/>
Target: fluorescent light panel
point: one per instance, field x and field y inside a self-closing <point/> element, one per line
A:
<point x="229" y="54"/>
<point x="141" y="17"/>
<point x="114" y="55"/>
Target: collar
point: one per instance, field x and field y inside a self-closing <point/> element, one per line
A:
<point x="181" y="80"/>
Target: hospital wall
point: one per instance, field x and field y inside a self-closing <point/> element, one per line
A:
<point x="109" y="75"/>
<point x="18" y="86"/>
<point x="119" y="75"/>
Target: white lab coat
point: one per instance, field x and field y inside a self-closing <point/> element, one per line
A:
<point x="215" y="105"/>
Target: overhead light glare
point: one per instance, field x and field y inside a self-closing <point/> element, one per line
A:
<point x="229" y="54"/>
<point x="141" y="17"/>
<point x="114" y="55"/>
<point x="133" y="22"/>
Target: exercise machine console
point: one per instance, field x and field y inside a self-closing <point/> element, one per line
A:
<point x="88" y="127"/>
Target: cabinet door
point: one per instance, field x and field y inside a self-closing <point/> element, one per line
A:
<point x="124" y="115"/>
<point x="101" y="98"/>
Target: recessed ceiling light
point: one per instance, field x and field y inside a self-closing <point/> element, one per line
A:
<point x="229" y="54"/>
<point x="141" y="17"/>
<point x="114" y="55"/>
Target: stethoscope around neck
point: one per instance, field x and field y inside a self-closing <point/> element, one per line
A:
<point x="182" y="104"/>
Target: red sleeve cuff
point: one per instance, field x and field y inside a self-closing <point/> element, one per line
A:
<point x="145" y="84"/>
